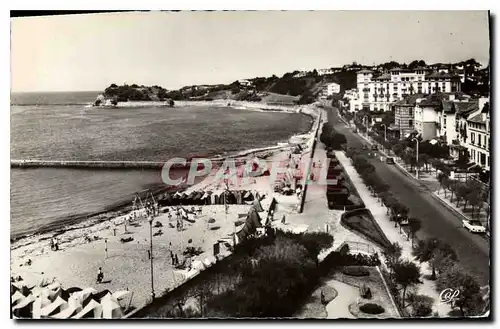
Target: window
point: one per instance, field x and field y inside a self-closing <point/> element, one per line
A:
<point x="410" y="123"/>
<point x="479" y="139"/>
<point x="411" y="112"/>
<point x="472" y="138"/>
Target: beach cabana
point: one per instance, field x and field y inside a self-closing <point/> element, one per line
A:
<point x="23" y="287"/>
<point x="252" y="222"/>
<point x="100" y="295"/>
<point x="257" y="206"/>
<point x="53" y="308"/>
<point x="24" y="308"/>
<point x="111" y="309"/>
<point x="40" y="302"/>
<point x="248" y="197"/>
<point x="83" y="295"/>
<point x="121" y="294"/>
<point x="66" y="313"/>
<point x="73" y="289"/>
<point x="198" y="265"/>
<point x="93" y="310"/>
<point x="17" y="297"/>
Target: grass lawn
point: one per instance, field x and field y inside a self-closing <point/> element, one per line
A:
<point x="362" y="222"/>
<point x="380" y="295"/>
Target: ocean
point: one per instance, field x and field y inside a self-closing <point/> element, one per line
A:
<point x="59" y="126"/>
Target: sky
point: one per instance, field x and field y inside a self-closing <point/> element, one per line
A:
<point x="175" y="49"/>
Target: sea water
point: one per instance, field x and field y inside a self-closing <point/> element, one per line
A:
<point x="61" y="126"/>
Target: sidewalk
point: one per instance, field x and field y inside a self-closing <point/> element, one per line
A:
<point x="379" y="213"/>
<point x="440" y="195"/>
<point x="316" y="213"/>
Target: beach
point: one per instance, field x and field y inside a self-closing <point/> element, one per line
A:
<point x="126" y="265"/>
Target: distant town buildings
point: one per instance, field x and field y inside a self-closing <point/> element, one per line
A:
<point x="330" y="89"/>
<point x="377" y="92"/>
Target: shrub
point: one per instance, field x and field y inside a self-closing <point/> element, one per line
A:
<point x="422" y="308"/>
<point x="371" y="308"/>
<point x="355" y="271"/>
<point x="365" y="292"/>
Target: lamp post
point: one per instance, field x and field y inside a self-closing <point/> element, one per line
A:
<point x="150" y="219"/>
<point x="416" y="140"/>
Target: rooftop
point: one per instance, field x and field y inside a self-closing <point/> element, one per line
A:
<point x="478" y="118"/>
<point x="365" y="71"/>
<point x="384" y="76"/>
<point x="441" y="75"/>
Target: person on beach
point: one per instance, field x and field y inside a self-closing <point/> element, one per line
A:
<point x="172" y="257"/>
<point x="100" y="275"/>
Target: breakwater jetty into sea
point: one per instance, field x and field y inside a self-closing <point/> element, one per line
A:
<point x="85" y="164"/>
<point x="101" y="164"/>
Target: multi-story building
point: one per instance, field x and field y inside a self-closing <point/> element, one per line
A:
<point x="478" y="141"/>
<point x="325" y="71"/>
<point x="377" y="93"/>
<point x="331" y="88"/>
<point x="404" y="115"/>
<point x="434" y="115"/>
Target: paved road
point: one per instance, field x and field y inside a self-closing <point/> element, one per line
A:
<point x="437" y="220"/>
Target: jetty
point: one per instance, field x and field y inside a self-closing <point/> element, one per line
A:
<point x="86" y="164"/>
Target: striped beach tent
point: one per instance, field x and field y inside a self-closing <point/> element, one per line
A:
<point x="111" y="309"/>
<point x="66" y="313"/>
<point x="17" y="297"/>
<point x="92" y="310"/>
<point x="40" y="302"/>
<point x="53" y="308"/>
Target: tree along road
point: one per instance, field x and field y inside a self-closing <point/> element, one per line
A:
<point x="437" y="220"/>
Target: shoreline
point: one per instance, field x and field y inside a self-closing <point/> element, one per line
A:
<point x="89" y="245"/>
<point x="89" y="220"/>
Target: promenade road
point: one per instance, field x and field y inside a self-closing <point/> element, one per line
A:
<point x="437" y="220"/>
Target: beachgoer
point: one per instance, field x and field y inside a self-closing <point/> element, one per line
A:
<point x="283" y="220"/>
<point x="176" y="260"/>
<point x="100" y="275"/>
<point x="149" y="254"/>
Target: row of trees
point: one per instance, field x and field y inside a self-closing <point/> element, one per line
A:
<point x="448" y="273"/>
<point x="398" y="212"/>
<point x="331" y="138"/>
<point x="470" y="193"/>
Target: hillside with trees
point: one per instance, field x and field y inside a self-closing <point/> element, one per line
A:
<point x="135" y="92"/>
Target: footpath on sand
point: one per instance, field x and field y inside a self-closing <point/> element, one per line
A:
<point x="379" y="212"/>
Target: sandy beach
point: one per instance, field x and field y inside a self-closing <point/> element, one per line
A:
<point x="127" y="265"/>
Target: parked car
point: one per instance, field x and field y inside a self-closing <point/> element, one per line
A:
<point x="365" y="147"/>
<point x="374" y="147"/>
<point x="354" y="130"/>
<point x="473" y="226"/>
<point x="389" y="160"/>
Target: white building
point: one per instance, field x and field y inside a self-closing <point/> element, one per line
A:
<point x="325" y="71"/>
<point x="245" y="82"/>
<point x="331" y="88"/>
<point x="478" y="139"/>
<point x="377" y="93"/>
